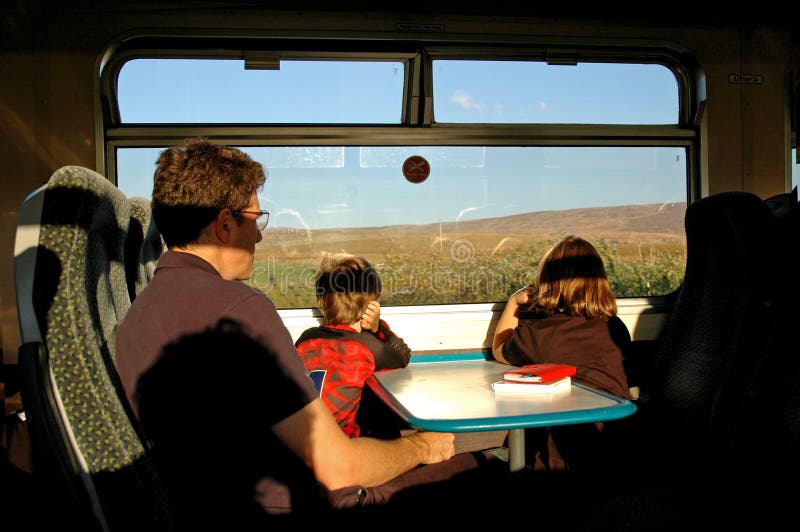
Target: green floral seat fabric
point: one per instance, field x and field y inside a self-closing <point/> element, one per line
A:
<point x="79" y="293"/>
<point x="143" y="246"/>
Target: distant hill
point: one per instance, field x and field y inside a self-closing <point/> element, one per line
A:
<point x="649" y="223"/>
<point x="661" y="219"/>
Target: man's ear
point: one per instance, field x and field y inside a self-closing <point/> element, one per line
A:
<point x="223" y="226"/>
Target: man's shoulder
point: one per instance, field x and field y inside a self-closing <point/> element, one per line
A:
<point x="238" y="295"/>
<point x="196" y="291"/>
<point x="204" y="282"/>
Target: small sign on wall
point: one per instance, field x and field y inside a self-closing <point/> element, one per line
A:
<point x="416" y="169"/>
<point x="745" y="79"/>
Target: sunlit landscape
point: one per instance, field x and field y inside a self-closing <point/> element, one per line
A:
<point x="485" y="260"/>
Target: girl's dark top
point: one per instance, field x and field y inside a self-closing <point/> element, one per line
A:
<point x="595" y="346"/>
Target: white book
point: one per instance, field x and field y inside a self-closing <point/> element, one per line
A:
<point x="560" y="385"/>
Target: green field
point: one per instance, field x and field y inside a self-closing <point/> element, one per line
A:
<point x="484" y="261"/>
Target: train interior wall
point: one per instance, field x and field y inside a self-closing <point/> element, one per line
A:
<point x="49" y="115"/>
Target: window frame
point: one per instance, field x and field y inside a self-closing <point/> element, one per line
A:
<point x="417" y="104"/>
<point x="418" y="125"/>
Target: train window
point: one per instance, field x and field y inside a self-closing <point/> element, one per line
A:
<point x="474" y="230"/>
<point x="410" y="162"/>
<point x="795" y="169"/>
<point x="538" y="92"/>
<point x="223" y="91"/>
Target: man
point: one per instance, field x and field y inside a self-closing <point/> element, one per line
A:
<point x="206" y="207"/>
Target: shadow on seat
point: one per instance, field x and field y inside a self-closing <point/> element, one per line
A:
<point x="681" y="457"/>
<point x="770" y="420"/>
<point x="143" y="246"/>
<point x="713" y="332"/>
<point x="71" y="291"/>
<point x="766" y="436"/>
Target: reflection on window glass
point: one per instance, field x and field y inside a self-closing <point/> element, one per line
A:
<point x="474" y="230"/>
<point x="535" y="92"/>
<point x="313" y="92"/>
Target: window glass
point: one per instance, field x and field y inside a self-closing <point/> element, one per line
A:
<point x="221" y="91"/>
<point x="535" y="92"/>
<point x="474" y="230"/>
<point x="795" y="169"/>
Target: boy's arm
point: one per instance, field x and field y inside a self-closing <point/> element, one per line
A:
<point x="393" y="351"/>
<point x="396" y="353"/>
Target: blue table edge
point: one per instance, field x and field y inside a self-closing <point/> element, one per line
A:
<point x="622" y="408"/>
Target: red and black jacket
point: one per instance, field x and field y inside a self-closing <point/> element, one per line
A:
<point x="340" y="360"/>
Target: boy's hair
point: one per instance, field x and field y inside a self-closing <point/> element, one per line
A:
<point x="194" y="181"/>
<point x="345" y="285"/>
<point x="572" y="279"/>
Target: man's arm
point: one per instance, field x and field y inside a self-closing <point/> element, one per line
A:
<point x="339" y="461"/>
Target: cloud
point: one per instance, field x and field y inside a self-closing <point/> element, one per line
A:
<point x="464" y="100"/>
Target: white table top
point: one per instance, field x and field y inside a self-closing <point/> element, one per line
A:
<point x="456" y="396"/>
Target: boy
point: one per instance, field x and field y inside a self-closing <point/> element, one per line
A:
<point x="354" y="343"/>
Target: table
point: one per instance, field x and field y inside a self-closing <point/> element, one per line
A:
<point x="454" y="394"/>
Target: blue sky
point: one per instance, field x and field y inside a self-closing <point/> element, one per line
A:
<point x="215" y="91"/>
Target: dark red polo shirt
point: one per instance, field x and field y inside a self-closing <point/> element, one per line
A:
<point x="187" y="295"/>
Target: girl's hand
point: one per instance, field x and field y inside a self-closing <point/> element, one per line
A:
<point x="522" y="296"/>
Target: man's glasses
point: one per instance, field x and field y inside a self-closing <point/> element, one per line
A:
<point x="261" y="221"/>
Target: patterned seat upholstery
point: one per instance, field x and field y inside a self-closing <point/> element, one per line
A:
<point x="143" y="246"/>
<point x="713" y="332"/>
<point x="768" y="424"/>
<point x="681" y="449"/>
<point x="71" y="291"/>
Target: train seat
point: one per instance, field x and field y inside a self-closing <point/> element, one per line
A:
<point x="143" y="246"/>
<point x="71" y="291"/>
<point x="684" y="462"/>
<point x="714" y="328"/>
<point x="766" y="436"/>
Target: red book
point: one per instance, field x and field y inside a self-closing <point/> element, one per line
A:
<point x="539" y="373"/>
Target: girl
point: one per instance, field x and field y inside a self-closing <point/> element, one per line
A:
<point x="568" y="316"/>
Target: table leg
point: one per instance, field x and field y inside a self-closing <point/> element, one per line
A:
<point x="516" y="449"/>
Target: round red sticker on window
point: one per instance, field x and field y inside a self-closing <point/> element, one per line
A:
<point x="416" y="169"/>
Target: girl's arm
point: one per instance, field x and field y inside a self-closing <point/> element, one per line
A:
<point x="509" y="321"/>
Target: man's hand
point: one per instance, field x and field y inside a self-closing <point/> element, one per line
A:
<point x="440" y="445"/>
<point x="372" y="317"/>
